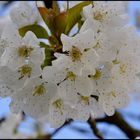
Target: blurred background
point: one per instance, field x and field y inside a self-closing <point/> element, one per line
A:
<point x="81" y="130"/>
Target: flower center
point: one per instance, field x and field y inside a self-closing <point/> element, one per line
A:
<point x="113" y="94"/>
<point x="85" y="99"/>
<point x="97" y="46"/>
<point x="58" y="103"/>
<point x="75" y="54"/>
<point x="115" y="62"/>
<point x="25" y="71"/>
<point x="71" y="76"/>
<point x="39" y="90"/>
<point x="122" y="68"/>
<point x="99" y="16"/>
<point x="97" y="75"/>
<point x="24" y="51"/>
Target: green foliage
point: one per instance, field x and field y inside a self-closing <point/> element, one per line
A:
<point x="49" y="55"/>
<point x="48" y="16"/>
<point x="62" y="22"/>
<point x="38" y="30"/>
<point x="74" y="15"/>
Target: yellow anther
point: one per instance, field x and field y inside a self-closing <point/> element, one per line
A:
<point x="99" y="16"/>
<point x="71" y="76"/>
<point x="25" y="70"/>
<point x="75" y="54"/>
<point x="96" y="76"/>
<point x="113" y="93"/>
<point x="123" y="68"/>
<point x="85" y="99"/>
<point x="58" y="105"/>
<point x="39" y="90"/>
<point x="24" y="51"/>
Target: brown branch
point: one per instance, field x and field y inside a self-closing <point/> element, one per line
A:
<point x="2" y="120"/>
<point x="48" y="3"/>
<point x="95" y="130"/>
<point x="118" y="120"/>
<point x="49" y="136"/>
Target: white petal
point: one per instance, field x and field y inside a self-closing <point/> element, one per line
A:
<point x="5" y="90"/>
<point x="83" y="112"/>
<point x="3" y="45"/>
<point x="67" y="90"/>
<point x="22" y="14"/>
<point x="11" y="59"/>
<point x="67" y="42"/>
<point x="90" y="59"/>
<point x="11" y="35"/>
<point x="37" y="56"/>
<point x="11" y="78"/>
<point x="83" y="86"/>
<point x="30" y="39"/>
<point x="36" y="105"/>
<point x="57" y="119"/>
<point x="81" y="40"/>
<point x="36" y="70"/>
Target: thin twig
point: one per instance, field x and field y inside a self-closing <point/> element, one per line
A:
<point x="2" y="120"/>
<point x="49" y="136"/>
<point x="67" y="5"/>
<point x="118" y="120"/>
<point x="64" y="125"/>
<point x="94" y="128"/>
<point x="48" y="3"/>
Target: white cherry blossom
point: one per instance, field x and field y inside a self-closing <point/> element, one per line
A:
<point x="20" y="49"/>
<point x="106" y="15"/>
<point x="16" y="79"/>
<point x="59" y="112"/>
<point x="68" y="82"/>
<point x="23" y="13"/>
<point x="34" y="98"/>
<point x="79" y="49"/>
<point x="111" y="93"/>
<point x="85" y="107"/>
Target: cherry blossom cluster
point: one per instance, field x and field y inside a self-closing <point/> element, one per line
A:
<point x="92" y="75"/>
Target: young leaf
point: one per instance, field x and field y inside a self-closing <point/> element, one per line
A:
<point x="60" y="22"/>
<point x="55" y="7"/>
<point x="74" y="15"/>
<point x="48" y="16"/>
<point x="38" y="30"/>
<point x="49" y="55"/>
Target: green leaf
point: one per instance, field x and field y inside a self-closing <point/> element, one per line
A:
<point x="74" y="15"/>
<point x="38" y="30"/>
<point x="49" y="55"/>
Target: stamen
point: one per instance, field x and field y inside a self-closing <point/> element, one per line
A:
<point x="113" y="94"/>
<point x="97" y="75"/>
<point x="25" y="71"/>
<point x="115" y="62"/>
<point x="75" y="54"/>
<point x="39" y="90"/>
<point x="99" y="16"/>
<point x="71" y="76"/>
<point x="85" y="99"/>
<point x="58" y="105"/>
<point x="24" y="51"/>
<point x="123" y="68"/>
